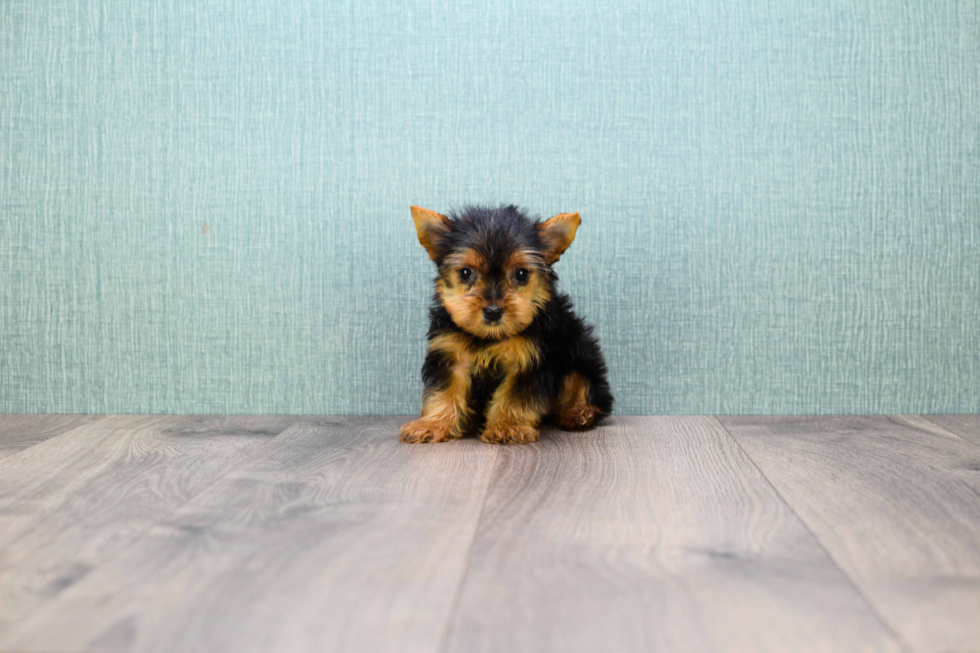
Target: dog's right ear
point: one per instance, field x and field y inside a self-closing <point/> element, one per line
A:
<point x="431" y="227"/>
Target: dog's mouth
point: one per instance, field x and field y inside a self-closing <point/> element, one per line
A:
<point x="492" y="329"/>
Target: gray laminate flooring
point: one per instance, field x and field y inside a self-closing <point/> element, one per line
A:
<point x="296" y="534"/>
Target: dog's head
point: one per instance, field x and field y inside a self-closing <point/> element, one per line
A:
<point x="494" y="264"/>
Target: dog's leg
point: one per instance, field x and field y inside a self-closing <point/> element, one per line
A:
<point x="442" y="412"/>
<point x="444" y="407"/>
<point x="513" y="414"/>
<point x="574" y="411"/>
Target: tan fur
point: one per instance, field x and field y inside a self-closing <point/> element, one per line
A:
<point x="466" y="259"/>
<point x="465" y="304"/>
<point x="557" y="233"/>
<point x="511" y="420"/>
<point x="515" y="354"/>
<point x="429" y="225"/>
<point x="512" y="355"/>
<point x="444" y="410"/>
<point x="573" y="411"/>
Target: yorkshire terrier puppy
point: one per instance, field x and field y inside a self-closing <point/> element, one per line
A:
<point x="505" y="349"/>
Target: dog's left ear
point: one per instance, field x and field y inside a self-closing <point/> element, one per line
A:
<point x="557" y="234"/>
<point x="431" y="227"/>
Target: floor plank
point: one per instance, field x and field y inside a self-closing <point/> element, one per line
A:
<point x="650" y="534"/>
<point x="896" y="503"/>
<point x="338" y="538"/>
<point x="965" y="426"/>
<point x="77" y="499"/>
<point x="19" y="432"/>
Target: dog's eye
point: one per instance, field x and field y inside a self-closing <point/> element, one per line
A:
<point x="465" y="275"/>
<point x="521" y="275"/>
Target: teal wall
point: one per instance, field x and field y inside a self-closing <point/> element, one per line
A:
<point x="204" y="204"/>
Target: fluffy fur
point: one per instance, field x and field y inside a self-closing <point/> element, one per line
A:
<point x="505" y="348"/>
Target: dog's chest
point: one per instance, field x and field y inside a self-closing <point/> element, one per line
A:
<point x="472" y="358"/>
<point x="510" y="356"/>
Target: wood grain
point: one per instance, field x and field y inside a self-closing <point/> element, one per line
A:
<point x="75" y="500"/>
<point x="19" y="432"/>
<point x="650" y="534"/>
<point x="896" y="503"/>
<point x="337" y="538"/>
<point x="965" y="426"/>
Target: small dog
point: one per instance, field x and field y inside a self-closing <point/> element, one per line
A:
<point x="505" y="349"/>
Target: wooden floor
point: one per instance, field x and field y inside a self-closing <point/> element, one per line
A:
<point x="130" y="533"/>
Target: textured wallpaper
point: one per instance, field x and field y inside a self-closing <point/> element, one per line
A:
<point x="204" y="204"/>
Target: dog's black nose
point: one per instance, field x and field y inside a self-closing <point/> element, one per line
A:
<point x="493" y="313"/>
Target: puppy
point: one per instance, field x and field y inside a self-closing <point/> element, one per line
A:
<point x="505" y="348"/>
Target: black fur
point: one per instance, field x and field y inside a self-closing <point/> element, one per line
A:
<point x="567" y="344"/>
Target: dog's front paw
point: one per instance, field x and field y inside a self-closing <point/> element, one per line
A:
<point x="510" y="434"/>
<point x="426" y="430"/>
